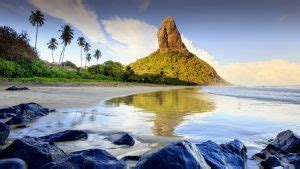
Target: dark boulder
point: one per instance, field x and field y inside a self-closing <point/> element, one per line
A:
<point x="15" y="88"/>
<point x="4" y="132"/>
<point x="33" y="151"/>
<point x="232" y="154"/>
<point x="12" y="163"/>
<point x="271" y="162"/>
<point x="283" y="150"/>
<point x="22" y="113"/>
<point x="293" y="159"/>
<point x="287" y="141"/>
<point x="212" y="154"/>
<point x="178" y="155"/>
<point x="121" y="138"/>
<point x="235" y="152"/>
<point x="89" y="159"/>
<point x="68" y="135"/>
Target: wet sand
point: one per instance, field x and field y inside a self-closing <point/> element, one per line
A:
<point x="72" y="95"/>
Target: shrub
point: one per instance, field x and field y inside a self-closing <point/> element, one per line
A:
<point x="70" y="64"/>
<point x="13" y="45"/>
<point x="108" y="68"/>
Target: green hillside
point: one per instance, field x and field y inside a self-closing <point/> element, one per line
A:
<point x="182" y="66"/>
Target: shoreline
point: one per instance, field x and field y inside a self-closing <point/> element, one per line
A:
<point x="73" y="95"/>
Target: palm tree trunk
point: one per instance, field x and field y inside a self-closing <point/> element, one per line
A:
<point x="62" y="60"/>
<point x="61" y="55"/>
<point x="97" y="67"/>
<point x="80" y="58"/>
<point x="52" y="57"/>
<point x="85" y="59"/>
<point x="36" y="33"/>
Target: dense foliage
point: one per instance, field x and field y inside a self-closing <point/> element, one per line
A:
<point x="19" y="60"/>
<point x="27" y="68"/>
<point x="118" y="72"/>
<point x="15" y="45"/>
<point x="178" y="66"/>
<point x="70" y="64"/>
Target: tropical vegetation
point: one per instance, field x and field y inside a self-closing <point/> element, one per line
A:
<point x="81" y="43"/>
<point x="66" y="37"/>
<point x="52" y="45"/>
<point x="37" y="19"/>
<point x="19" y="60"/>
<point x="185" y="67"/>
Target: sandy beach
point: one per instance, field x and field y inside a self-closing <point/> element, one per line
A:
<point x="72" y="95"/>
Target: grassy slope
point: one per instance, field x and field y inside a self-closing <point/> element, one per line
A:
<point x="52" y="80"/>
<point x="178" y="65"/>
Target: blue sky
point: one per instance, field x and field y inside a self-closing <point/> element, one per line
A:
<point x="231" y="35"/>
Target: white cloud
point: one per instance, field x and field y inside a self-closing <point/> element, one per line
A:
<point x="202" y="54"/>
<point x="136" y="39"/>
<point x="143" y="5"/>
<point x="283" y="18"/>
<point x="73" y="12"/>
<point x="271" y="72"/>
<point x="131" y="38"/>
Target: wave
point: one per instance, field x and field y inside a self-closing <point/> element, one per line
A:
<point x="287" y="94"/>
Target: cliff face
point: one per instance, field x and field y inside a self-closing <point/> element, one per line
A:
<point x="175" y="61"/>
<point x="169" y="38"/>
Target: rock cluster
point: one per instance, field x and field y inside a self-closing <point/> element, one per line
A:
<point x="169" y="38"/>
<point x="13" y="163"/>
<point x="231" y="154"/>
<point x="4" y="132"/>
<point x="42" y="152"/>
<point x="284" y="151"/>
<point x="121" y="138"/>
<point x="87" y="159"/>
<point x="22" y="113"/>
<point x="15" y="88"/>
<point x="68" y="135"/>
<point x="184" y="154"/>
<point x="33" y="151"/>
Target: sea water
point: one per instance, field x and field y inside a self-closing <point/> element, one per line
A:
<point x="252" y="114"/>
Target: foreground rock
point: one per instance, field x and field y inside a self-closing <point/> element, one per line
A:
<point x="184" y="154"/>
<point x="232" y="154"/>
<point x="33" y="151"/>
<point x="14" y="88"/>
<point x="169" y="38"/>
<point x="13" y="163"/>
<point x="4" y="132"/>
<point x="91" y="159"/>
<point x="22" y="113"/>
<point x="121" y="138"/>
<point x="284" y="151"/>
<point x="178" y="155"/>
<point x="68" y="135"/>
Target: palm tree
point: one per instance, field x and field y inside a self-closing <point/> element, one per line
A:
<point x="52" y="45"/>
<point x="97" y="55"/>
<point x="86" y="48"/>
<point x="66" y="37"/>
<point x="89" y="58"/>
<point x="81" y="43"/>
<point x="37" y="19"/>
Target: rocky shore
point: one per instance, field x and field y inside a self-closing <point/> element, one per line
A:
<point x="43" y="152"/>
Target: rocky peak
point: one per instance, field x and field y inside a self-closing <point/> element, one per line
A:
<point x="169" y="38"/>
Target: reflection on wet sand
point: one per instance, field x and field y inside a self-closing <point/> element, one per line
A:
<point x="170" y="107"/>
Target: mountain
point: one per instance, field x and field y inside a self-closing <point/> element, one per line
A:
<point x="173" y="59"/>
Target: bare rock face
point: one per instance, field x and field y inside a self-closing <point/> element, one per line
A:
<point x="169" y="38"/>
